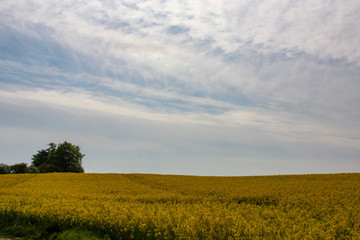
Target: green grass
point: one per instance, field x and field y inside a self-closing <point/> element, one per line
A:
<point x="24" y="230"/>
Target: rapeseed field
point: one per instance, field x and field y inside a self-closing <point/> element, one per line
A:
<point x="144" y="206"/>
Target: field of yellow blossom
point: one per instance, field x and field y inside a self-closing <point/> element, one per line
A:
<point x="145" y="206"/>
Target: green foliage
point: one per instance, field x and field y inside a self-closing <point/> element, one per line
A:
<point x="74" y="234"/>
<point x="64" y="157"/>
<point x="12" y="225"/>
<point x="67" y="157"/>
<point x="33" y="169"/>
<point x="48" y="168"/>
<point x="4" y="169"/>
<point x="22" y="231"/>
<point x="42" y="156"/>
<point x="19" y="168"/>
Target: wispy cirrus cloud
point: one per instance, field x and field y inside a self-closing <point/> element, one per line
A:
<point x="279" y="126"/>
<point x="286" y="71"/>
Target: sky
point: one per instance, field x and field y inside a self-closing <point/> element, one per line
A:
<point x="222" y="88"/>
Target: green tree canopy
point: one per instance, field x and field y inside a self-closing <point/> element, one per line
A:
<point x="4" y="168"/>
<point x="64" y="157"/>
<point x="42" y="157"/>
<point x="19" y="168"/>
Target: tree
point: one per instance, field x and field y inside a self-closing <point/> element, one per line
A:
<point x="42" y="157"/>
<point x="48" y="168"/>
<point x="4" y="169"/>
<point x="33" y="169"/>
<point x="67" y="157"/>
<point x="19" y="168"/>
<point x="64" y="157"/>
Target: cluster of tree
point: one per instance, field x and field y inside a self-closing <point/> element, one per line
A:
<point x="17" y="168"/>
<point x="64" y="157"/>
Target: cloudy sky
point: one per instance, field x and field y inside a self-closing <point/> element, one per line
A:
<point x="245" y="87"/>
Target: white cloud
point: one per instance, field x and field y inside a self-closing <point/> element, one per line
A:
<point x="275" y="127"/>
<point x="139" y="38"/>
<point x="278" y="71"/>
<point x="319" y="28"/>
<point x="118" y="143"/>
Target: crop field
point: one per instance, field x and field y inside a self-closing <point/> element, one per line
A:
<point x="144" y="206"/>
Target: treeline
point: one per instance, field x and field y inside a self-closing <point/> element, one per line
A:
<point x="64" y="157"/>
<point x="17" y="168"/>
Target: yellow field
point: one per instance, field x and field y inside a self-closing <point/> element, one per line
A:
<point x="143" y="206"/>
